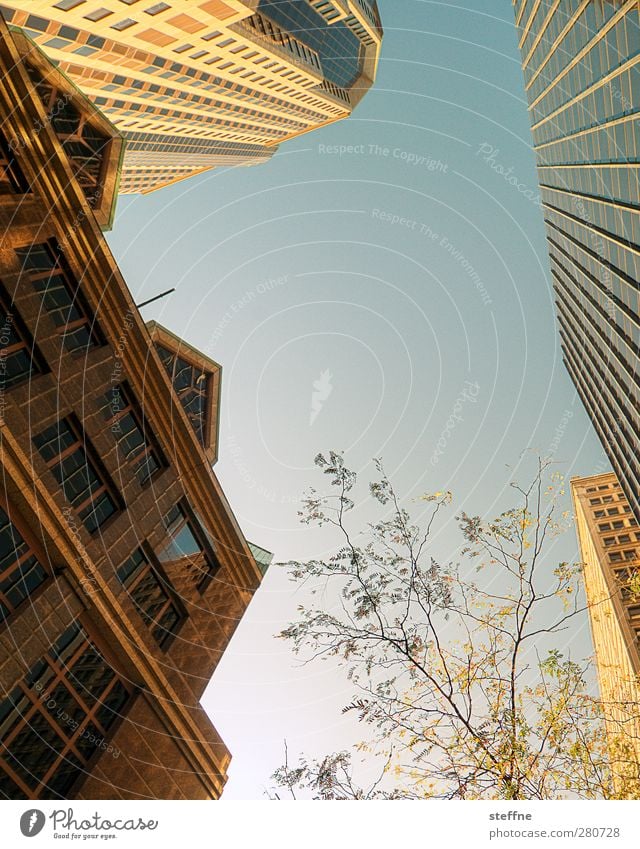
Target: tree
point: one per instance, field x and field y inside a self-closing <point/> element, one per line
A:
<point x="456" y="668"/>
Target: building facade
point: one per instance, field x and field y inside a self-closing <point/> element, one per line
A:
<point x="609" y="543"/>
<point x="581" y="61"/>
<point x="123" y="571"/>
<point x="194" y="84"/>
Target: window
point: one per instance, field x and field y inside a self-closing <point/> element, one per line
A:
<point x="66" y="5"/>
<point x="136" y="445"/>
<point x="12" y="180"/>
<point x="599" y="514"/>
<point x="609" y="541"/>
<point x="615" y="556"/>
<point x="607" y="499"/>
<point x="152" y="595"/>
<point x="594" y="501"/>
<point x="189" y="546"/>
<point x="612" y="511"/>
<point x="68" y="457"/>
<point x="19" y="358"/>
<point x="98" y="14"/>
<point x="159" y="7"/>
<point x="57" y="717"/>
<point x="125" y="24"/>
<point x="630" y="554"/>
<point x="20" y="571"/>
<point x="61" y="296"/>
<point x="192" y="386"/>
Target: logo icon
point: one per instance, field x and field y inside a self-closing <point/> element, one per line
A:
<point x="32" y="822"/>
<point x="322" y="389"/>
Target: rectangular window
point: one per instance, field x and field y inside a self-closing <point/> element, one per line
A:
<point x="189" y="546"/>
<point x="20" y="571"/>
<point x="57" y="717"/>
<point x="152" y="595"/>
<point x="66" y="5"/>
<point x="159" y="7"/>
<point x="19" y="358"/>
<point x="61" y="296"/>
<point x="98" y="14"/>
<point x="68" y="457"/>
<point x="12" y="180"/>
<point x="136" y="444"/>
<point x="125" y="24"/>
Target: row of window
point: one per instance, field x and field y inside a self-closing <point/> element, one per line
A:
<point x="602" y="487"/>
<point x="620" y="539"/>
<point x="617" y="525"/>
<point x="611" y="511"/>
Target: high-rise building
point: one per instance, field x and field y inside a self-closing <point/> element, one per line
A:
<point x="194" y="84"/>
<point x="123" y="572"/>
<point x="581" y="61"/>
<point x="609" y="542"/>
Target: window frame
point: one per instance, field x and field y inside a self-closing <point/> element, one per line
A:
<point x="37" y="361"/>
<point x="191" y="521"/>
<point x="77" y="299"/>
<point x="93" y="462"/>
<point x="154" y="567"/>
<point x="151" y="444"/>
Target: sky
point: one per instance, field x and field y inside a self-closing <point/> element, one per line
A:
<point x="371" y="279"/>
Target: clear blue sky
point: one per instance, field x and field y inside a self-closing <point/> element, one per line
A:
<point x="295" y="269"/>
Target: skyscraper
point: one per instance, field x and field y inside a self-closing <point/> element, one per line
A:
<point x="581" y="61"/>
<point x="194" y="84"/>
<point x="123" y="572"/>
<point x="609" y="541"/>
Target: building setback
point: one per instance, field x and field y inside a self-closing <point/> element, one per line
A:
<point x="582" y="76"/>
<point x="609" y="542"/>
<point x="123" y="571"/>
<point x="194" y="84"/>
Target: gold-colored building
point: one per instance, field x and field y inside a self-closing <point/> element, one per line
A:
<point x="194" y="84"/>
<point x="609" y="540"/>
<point x="123" y="571"/>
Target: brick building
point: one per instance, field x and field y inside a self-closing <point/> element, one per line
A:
<point x="609" y="541"/>
<point x="124" y="571"/>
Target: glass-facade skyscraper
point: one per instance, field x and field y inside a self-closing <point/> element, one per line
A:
<point x="581" y="62"/>
<point x="195" y="84"/>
